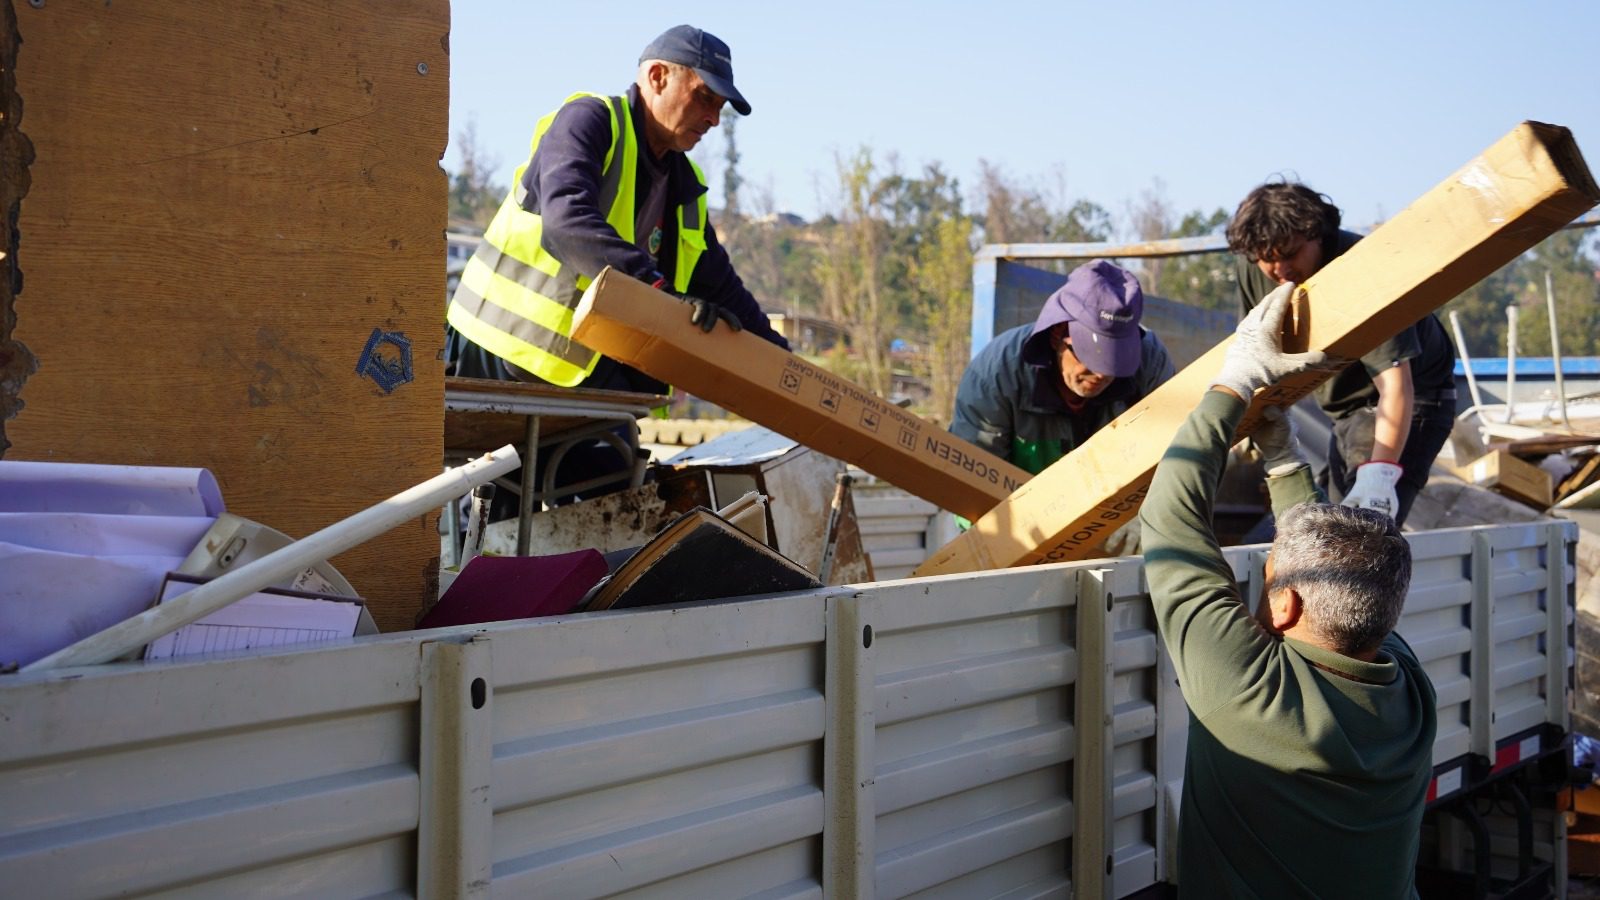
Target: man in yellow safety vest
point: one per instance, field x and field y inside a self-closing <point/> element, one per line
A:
<point x="607" y="183"/>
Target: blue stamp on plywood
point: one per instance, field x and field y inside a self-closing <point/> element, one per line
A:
<point x="386" y="359"/>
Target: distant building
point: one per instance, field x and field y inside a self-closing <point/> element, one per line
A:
<point x="780" y="218"/>
<point x="906" y="389"/>
<point x="459" y="245"/>
<point x="807" y="334"/>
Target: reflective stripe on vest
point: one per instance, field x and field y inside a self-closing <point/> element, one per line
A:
<point x="691" y="236"/>
<point x="516" y="300"/>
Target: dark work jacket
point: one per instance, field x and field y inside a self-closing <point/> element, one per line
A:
<point x="1008" y="403"/>
<point x="562" y="181"/>
<point x="1306" y="770"/>
<point x="563" y="186"/>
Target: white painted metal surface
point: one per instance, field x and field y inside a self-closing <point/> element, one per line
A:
<point x="991" y="734"/>
<point x="898" y="530"/>
<point x="973" y="741"/>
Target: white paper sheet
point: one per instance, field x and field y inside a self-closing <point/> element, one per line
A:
<point x="86" y="534"/>
<point x="259" y="620"/>
<point x="50" y="600"/>
<point x="116" y="490"/>
<point x="83" y="547"/>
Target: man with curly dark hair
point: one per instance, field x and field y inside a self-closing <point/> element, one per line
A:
<point x="1392" y="411"/>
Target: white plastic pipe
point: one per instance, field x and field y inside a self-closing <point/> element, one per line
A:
<point x="1466" y="359"/>
<point x="135" y="632"/>
<point x="1555" y="348"/>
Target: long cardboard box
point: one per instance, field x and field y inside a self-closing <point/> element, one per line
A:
<point x="650" y="330"/>
<point x="1520" y="190"/>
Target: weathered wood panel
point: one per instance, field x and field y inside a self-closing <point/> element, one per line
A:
<point x="228" y="201"/>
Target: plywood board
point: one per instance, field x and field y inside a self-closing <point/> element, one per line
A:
<point x="650" y="330"/>
<point x="228" y="201"/>
<point x="1503" y="202"/>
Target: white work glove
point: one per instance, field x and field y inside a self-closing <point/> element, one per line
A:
<point x="1374" y="487"/>
<point x="1256" y="358"/>
<point x="1277" y="443"/>
<point x="1125" y="540"/>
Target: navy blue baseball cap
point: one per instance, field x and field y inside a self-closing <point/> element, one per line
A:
<point x="706" y="54"/>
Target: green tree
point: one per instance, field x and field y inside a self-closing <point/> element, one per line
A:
<point x="913" y="207"/>
<point x="1481" y="310"/>
<point x="1572" y="269"/>
<point x="775" y="258"/>
<point x="731" y="182"/>
<point x="1206" y="280"/>
<point x="850" y="265"/>
<point x="942" y="287"/>
<point x="1014" y="213"/>
<point x="1570" y="259"/>
<point x="473" y="196"/>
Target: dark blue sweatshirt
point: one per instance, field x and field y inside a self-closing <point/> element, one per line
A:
<point x="563" y="186"/>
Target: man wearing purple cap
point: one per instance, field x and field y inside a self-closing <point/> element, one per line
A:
<point x="607" y="183"/>
<point x="1036" y="392"/>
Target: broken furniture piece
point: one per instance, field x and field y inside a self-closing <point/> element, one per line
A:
<point x="802" y="486"/>
<point x="480" y="414"/>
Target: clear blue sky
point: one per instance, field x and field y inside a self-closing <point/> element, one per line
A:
<point x="1370" y="102"/>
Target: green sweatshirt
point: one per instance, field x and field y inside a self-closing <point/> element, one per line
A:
<point x="1298" y="782"/>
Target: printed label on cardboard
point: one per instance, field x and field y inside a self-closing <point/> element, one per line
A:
<point x="1105" y="518"/>
<point x="943" y="446"/>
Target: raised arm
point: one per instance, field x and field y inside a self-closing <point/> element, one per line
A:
<point x="1214" y="641"/>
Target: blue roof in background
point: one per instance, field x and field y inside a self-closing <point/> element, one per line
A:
<point x="1532" y="366"/>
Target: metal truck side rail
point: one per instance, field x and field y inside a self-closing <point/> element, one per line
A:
<point x="1012" y="732"/>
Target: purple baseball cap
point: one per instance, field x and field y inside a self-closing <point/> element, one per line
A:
<point x="1103" y="303"/>
<point x="706" y="54"/>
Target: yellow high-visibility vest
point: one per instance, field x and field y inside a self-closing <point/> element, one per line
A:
<point x="516" y="300"/>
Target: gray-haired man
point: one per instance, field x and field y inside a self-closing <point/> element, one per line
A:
<point x="1311" y="725"/>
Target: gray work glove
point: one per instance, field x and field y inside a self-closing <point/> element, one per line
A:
<point x="1256" y="358"/>
<point x="705" y="313"/>
<point x="1275" y="440"/>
